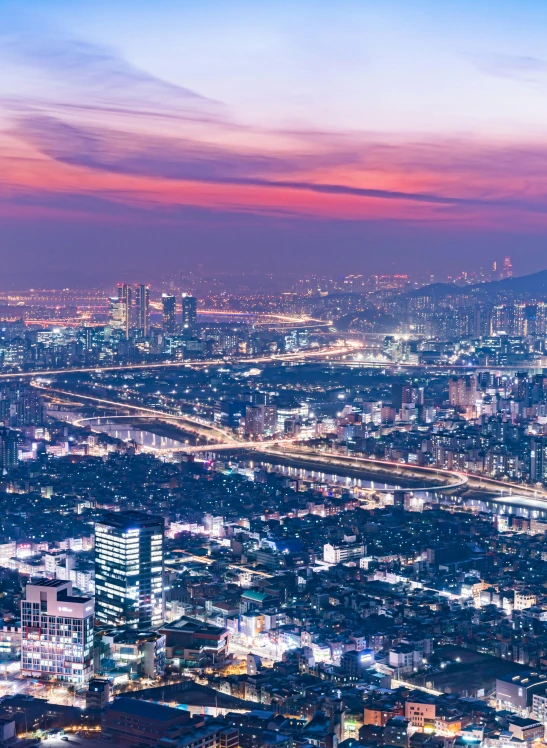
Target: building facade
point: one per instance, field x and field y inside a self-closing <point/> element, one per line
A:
<point x="129" y="570"/>
<point x="56" y="633"/>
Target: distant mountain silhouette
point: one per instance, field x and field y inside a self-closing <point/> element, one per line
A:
<point x="524" y="285"/>
<point x="438" y="290"/>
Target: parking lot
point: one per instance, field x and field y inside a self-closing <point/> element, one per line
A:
<point x="74" y="741"/>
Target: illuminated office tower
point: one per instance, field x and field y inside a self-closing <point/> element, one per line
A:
<point x="189" y="311"/>
<point x="120" y="309"/>
<point x="129" y="570"/>
<point x="141" y="321"/>
<point x="169" y="319"/>
<point x="116" y="313"/>
<point x="56" y="633"/>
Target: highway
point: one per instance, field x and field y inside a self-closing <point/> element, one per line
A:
<point x="328" y="354"/>
<point x="362" y="363"/>
<point x="196" y="425"/>
<point x="315" y="353"/>
<point x="227" y="442"/>
<point x="193" y="424"/>
<point x="453" y="478"/>
<point x="456" y="479"/>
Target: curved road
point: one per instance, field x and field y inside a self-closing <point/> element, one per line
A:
<point x="228" y="441"/>
<point x="456" y="479"/>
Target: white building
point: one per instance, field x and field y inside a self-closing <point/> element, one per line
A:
<point x="57" y="633"/>
<point x="335" y="554"/>
<point x="524" y="600"/>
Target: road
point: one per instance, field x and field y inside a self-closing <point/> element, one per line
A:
<point x="191" y="423"/>
<point x="315" y="353"/>
<point x="453" y="478"/>
<point x="139" y="410"/>
<point x="456" y="479"/>
<point x="362" y="363"/>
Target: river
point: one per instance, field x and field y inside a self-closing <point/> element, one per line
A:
<point x="340" y="476"/>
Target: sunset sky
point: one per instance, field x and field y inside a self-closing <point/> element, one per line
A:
<point x="347" y="136"/>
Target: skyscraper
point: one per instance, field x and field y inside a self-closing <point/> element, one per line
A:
<point x="120" y="309"/>
<point x="507" y="271"/>
<point x="189" y="311"/>
<point x="141" y="320"/>
<point x="117" y="313"/>
<point x="129" y="570"/>
<point x="169" y="319"/>
<point x="9" y="441"/>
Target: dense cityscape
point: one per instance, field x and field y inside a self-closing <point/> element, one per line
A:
<point x="273" y="374"/>
<point x="284" y="514"/>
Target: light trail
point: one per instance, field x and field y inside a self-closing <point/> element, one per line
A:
<point x="158" y="414"/>
<point x="285" y="318"/>
<point x="375" y="364"/>
<point x="472" y="479"/>
<point x="229" y="442"/>
<point x="326" y="352"/>
<point x="458" y="479"/>
<point x="275" y="447"/>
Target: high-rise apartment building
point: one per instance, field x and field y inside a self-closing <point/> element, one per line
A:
<point x="125" y="296"/>
<point x="56" y="633"/>
<point x="538" y="459"/>
<point x="541" y="318"/>
<point x="169" y="318"/>
<point x="189" y="311"/>
<point x="402" y="394"/>
<point x="254" y="421"/>
<point x="9" y="446"/>
<point x="129" y="570"/>
<point x="499" y="322"/>
<point x="507" y="271"/>
<point x="141" y="317"/>
<point x="519" y="321"/>
<point x="463" y="391"/>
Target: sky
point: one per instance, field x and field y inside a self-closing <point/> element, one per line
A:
<point x="139" y="137"/>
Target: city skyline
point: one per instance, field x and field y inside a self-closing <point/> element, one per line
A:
<point x="319" y="137"/>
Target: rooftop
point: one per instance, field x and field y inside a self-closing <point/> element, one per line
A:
<point x="147" y="710"/>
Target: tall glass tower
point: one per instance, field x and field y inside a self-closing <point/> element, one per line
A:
<point x="169" y="319"/>
<point x="129" y="570"/>
<point x="189" y="311"/>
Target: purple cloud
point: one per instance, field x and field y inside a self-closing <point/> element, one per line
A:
<point x="187" y="160"/>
